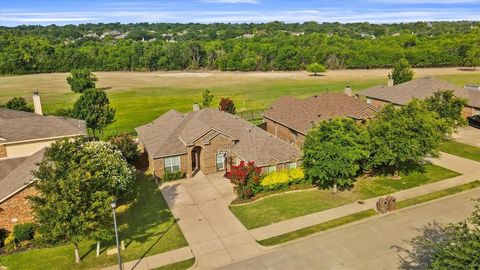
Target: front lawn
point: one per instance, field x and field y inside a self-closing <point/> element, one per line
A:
<point x="286" y="206"/>
<point x="151" y="230"/>
<point x="461" y="150"/>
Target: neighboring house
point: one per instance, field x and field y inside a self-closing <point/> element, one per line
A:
<point x="290" y="118"/>
<point x="421" y="88"/>
<point x="23" y="138"/>
<point x="210" y="140"/>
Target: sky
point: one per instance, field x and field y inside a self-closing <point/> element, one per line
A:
<point x="61" y="12"/>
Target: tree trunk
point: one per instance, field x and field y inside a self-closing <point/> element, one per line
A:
<point x="98" y="248"/>
<point x="77" y="253"/>
<point x="335" y="188"/>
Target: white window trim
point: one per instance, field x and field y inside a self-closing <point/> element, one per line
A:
<point x="290" y="167"/>
<point x="170" y="164"/>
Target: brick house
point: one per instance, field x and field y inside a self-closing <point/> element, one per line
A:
<point x="209" y="140"/>
<point x="290" y="118"/>
<point x="23" y="138"/>
<point x="421" y="88"/>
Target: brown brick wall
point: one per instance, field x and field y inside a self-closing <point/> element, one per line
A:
<point x="284" y="132"/>
<point x="157" y="165"/>
<point x="208" y="156"/>
<point x="17" y="206"/>
<point x="3" y="151"/>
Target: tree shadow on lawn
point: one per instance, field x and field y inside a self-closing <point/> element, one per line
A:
<point x="418" y="253"/>
<point x="403" y="170"/>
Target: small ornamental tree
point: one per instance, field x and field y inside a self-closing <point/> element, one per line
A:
<point x="333" y="153"/>
<point x="207" y="98"/>
<point x="80" y="80"/>
<point x="77" y="181"/>
<point x="93" y="106"/>
<point x="129" y="148"/>
<point x="18" y="104"/>
<point x="316" y="68"/>
<point x="448" y="107"/>
<point x="402" y="72"/>
<point x="227" y="105"/>
<point x="246" y="179"/>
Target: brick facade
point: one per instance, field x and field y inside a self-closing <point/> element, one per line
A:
<point x="284" y="133"/>
<point x="157" y="165"/>
<point x="3" y="151"/>
<point x="470" y="111"/>
<point x="17" y="207"/>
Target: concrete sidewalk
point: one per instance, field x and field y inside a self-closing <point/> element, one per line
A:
<point x="470" y="172"/>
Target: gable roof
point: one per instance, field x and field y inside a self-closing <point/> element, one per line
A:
<point x="419" y="88"/>
<point x="22" y="126"/>
<point x="171" y="133"/>
<point x="16" y="173"/>
<point x="302" y="114"/>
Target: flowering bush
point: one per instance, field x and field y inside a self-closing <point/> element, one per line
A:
<point x="282" y="179"/>
<point x="246" y="178"/>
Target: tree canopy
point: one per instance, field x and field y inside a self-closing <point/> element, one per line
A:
<point x="227" y="105"/>
<point x="333" y="153"/>
<point x="93" y="106"/>
<point x="402" y="72"/>
<point x="207" y="98"/>
<point x="81" y="79"/>
<point x="77" y="181"/>
<point x="316" y="68"/>
<point x="448" y="107"/>
<point x="18" y="104"/>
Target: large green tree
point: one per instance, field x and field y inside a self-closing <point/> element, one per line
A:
<point x="316" y="68"/>
<point x="77" y="181"/>
<point x="473" y="57"/>
<point x="93" y="106"/>
<point x="333" y="153"/>
<point x="81" y="79"/>
<point x="447" y="106"/>
<point x="126" y="144"/>
<point x="18" y="104"/>
<point x="402" y="72"/>
<point x="405" y="135"/>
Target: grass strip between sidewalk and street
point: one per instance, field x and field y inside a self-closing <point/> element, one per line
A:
<point x="364" y="214"/>
<point x="178" y="265"/>
<point x="461" y="150"/>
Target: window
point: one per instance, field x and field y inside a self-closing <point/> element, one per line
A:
<point x="221" y="161"/>
<point x="369" y="101"/>
<point x="271" y="169"/>
<point x="292" y="165"/>
<point x="172" y="164"/>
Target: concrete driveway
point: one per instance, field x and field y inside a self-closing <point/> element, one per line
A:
<point x="468" y="135"/>
<point x="369" y="244"/>
<point x="214" y="234"/>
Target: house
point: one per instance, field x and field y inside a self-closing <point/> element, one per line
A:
<point x="210" y="140"/>
<point x="23" y="138"/>
<point x="421" y="88"/>
<point x="290" y="118"/>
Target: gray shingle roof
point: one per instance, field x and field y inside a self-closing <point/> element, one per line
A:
<point x="419" y="88"/>
<point x="301" y="114"/>
<point x="172" y="132"/>
<point x="20" y="126"/>
<point x="16" y="173"/>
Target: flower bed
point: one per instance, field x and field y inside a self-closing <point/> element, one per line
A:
<point x="282" y="180"/>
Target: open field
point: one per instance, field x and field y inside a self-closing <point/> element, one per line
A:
<point x="140" y="97"/>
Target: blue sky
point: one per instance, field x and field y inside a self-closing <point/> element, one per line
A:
<point x="61" y="12"/>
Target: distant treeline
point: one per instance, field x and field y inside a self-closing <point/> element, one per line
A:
<point x="246" y="47"/>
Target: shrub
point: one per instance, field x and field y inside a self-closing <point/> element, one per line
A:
<point x="282" y="179"/>
<point x="10" y="243"/>
<point x="129" y="148"/>
<point x="170" y="176"/>
<point x="246" y="179"/>
<point x="23" y="232"/>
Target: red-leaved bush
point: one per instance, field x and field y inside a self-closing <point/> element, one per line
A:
<point x="246" y="178"/>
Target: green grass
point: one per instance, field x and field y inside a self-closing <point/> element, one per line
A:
<point x="317" y="228"/>
<point x="461" y="150"/>
<point x="286" y="206"/>
<point x="178" y="266"/>
<point x="151" y="230"/>
<point x="437" y="194"/>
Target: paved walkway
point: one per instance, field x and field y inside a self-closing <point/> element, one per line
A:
<point x="468" y="135"/>
<point x="368" y="244"/>
<point x="469" y="169"/>
<point x="157" y="260"/>
<point x="214" y="234"/>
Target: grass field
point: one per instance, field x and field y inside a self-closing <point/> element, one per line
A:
<point x="282" y="207"/>
<point x="461" y="150"/>
<point x="140" y="97"/>
<point x="151" y="230"/>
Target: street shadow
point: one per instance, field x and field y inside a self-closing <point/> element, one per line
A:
<point x="417" y="254"/>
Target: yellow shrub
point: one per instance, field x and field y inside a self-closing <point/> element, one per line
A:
<point x="281" y="177"/>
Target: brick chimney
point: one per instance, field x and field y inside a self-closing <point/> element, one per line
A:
<point x="348" y="91"/>
<point x="37" y="103"/>
<point x="196" y="107"/>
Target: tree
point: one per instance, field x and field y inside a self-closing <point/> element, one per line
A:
<point x="77" y="181"/>
<point x="402" y="72"/>
<point x="473" y="57"/>
<point x="81" y="79"/>
<point x="333" y="153"/>
<point x="454" y="246"/>
<point x="129" y="148"/>
<point x="246" y="178"/>
<point x="227" y="105"/>
<point x="18" y="104"/>
<point x="93" y="106"/>
<point x="400" y="137"/>
<point x="447" y="106"/>
<point x="315" y="68"/>
<point x="207" y="98"/>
